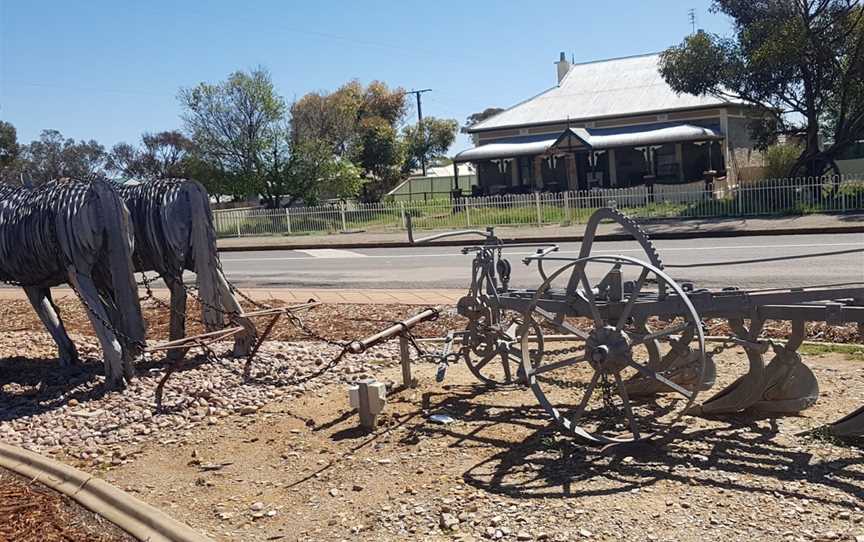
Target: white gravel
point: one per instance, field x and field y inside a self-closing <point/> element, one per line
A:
<point x="84" y="423"/>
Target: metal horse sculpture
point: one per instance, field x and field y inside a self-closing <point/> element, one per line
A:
<point x="174" y="232"/>
<point x="76" y="233"/>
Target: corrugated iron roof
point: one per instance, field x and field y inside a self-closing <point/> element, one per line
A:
<point x="443" y="171"/>
<point x="607" y="139"/>
<point x="605" y="88"/>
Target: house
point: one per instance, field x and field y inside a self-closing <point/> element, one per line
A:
<point x="436" y="184"/>
<point x="606" y="124"/>
<point x="851" y="162"/>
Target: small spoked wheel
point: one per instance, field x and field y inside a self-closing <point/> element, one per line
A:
<point x="605" y="347"/>
<point x="493" y="347"/>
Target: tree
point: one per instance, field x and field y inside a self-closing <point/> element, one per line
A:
<point x="481" y="116"/>
<point x="160" y="156"/>
<point x="428" y="141"/>
<point x="8" y="144"/>
<point x="476" y="118"/>
<point x="212" y="175"/>
<point x="235" y="123"/>
<point x="800" y="63"/>
<point x="312" y="173"/>
<point x="54" y="157"/>
<point x="360" y="124"/>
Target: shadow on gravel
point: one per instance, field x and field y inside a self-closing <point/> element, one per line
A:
<point x="42" y="385"/>
<point x="33" y="386"/>
<point x="545" y="464"/>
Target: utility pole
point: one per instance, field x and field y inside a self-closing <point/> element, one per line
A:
<point x="420" y="128"/>
<point x="692" y="15"/>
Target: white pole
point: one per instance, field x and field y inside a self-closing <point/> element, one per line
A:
<point x="342" y="211"/>
<point x="537" y="203"/>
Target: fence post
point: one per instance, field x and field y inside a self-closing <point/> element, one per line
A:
<point x="567" y="219"/>
<point x="238" y="225"/>
<point x="739" y="195"/>
<point x="342" y="212"/>
<point x="468" y="214"/>
<point x="402" y="212"/>
<point x="537" y="203"/>
<point x="842" y="194"/>
<point x="288" y="219"/>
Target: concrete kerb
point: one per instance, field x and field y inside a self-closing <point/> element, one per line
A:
<point x="134" y="516"/>
<point x="669" y="235"/>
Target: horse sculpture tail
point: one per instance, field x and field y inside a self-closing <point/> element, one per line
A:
<point x="119" y="237"/>
<point x="204" y="254"/>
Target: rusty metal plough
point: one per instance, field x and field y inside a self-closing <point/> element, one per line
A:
<point x="614" y="349"/>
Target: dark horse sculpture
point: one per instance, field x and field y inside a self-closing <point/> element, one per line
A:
<point x="76" y="233"/>
<point x="174" y="232"/>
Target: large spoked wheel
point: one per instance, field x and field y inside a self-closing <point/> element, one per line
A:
<point x="582" y="383"/>
<point x="492" y="347"/>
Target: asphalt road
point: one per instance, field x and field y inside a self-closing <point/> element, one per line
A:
<point x="446" y="267"/>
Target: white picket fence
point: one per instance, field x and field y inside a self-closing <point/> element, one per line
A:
<point x="695" y="200"/>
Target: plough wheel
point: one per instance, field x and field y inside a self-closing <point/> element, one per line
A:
<point x="493" y="351"/>
<point x="581" y="386"/>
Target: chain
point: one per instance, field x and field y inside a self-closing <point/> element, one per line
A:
<point x="107" y="324"/>
<point x="608" y="390"/>
<point x="560" y="351"/>
<point x="725" y="345"/>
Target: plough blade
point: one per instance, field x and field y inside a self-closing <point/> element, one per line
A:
<point x="790" y="386"/>
<point x="677" y="368"/>
<point x="738" y="395"/>
<point x="849" y="426"/>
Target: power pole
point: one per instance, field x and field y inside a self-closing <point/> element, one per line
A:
<point x="420" y="128"/>
<point x="692" y="15"/>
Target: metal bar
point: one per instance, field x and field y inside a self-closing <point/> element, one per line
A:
<point x="450" y="234"/>
<point x="280" y="310"/>
<point x="358" y="347"/>
<point x="197" y="339"/>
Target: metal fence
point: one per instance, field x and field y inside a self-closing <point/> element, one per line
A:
<point x="827" y="194"/>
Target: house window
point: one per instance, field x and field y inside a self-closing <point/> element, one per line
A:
<point x="525" y="167"/>
<point x="666" y="163"/>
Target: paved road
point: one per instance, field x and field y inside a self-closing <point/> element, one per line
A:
<point x="446" y="267"/>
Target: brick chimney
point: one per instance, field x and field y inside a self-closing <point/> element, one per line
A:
<point x="563" y="66"/>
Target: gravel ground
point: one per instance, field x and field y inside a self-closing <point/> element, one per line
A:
<point x="273" y="460"/>
<point x="65" y="411"/>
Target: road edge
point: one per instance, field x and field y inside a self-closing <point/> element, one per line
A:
<point x="133" y="515"/>
<point x="701" y="234"/>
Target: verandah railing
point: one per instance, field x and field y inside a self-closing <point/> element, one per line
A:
<point x="695" y="200"/>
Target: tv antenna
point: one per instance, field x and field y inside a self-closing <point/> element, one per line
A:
<point x="691" y="14"/>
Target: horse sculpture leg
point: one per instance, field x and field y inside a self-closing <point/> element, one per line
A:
<point x="244" y="341"/>
<point x="177" y="329"/>
<point x="115" y="364"/>
<point x="40" y="299"/>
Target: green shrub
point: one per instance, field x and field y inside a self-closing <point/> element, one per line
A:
<point x="780" y="158"/>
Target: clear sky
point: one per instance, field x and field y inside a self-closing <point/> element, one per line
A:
<point x="110" y="70"/>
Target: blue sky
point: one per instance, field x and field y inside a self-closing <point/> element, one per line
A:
<point x="111" y="70"/>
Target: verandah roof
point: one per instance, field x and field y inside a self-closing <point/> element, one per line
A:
<point x="581" y="138"/>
